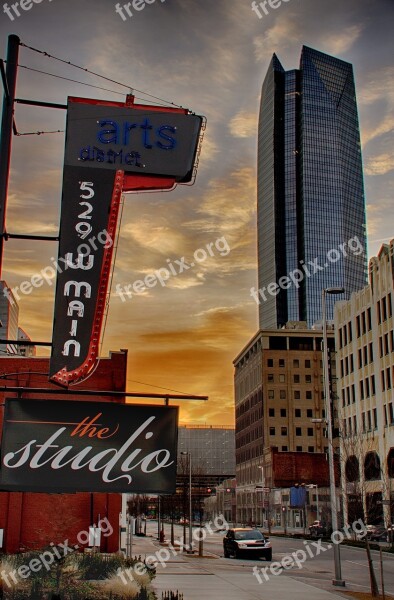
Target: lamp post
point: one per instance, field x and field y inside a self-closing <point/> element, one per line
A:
<point x="338" y="581"/>
<point x="190" y="500"/>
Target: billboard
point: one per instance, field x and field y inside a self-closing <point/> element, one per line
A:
<point x="63" y="446"/>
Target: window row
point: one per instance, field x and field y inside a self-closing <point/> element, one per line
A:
<point x="350" y="426"/>
<point x="298" y="431"/>
<point x="384" y="309"/>
<point x="386" y="343"/>
<point x="297" y="412"/>
<point x="386" y="378"/>
<point x="348" y="395"/>
<point x="282" y="363"/>
<point x="365" y="355"/>
<point x="347" y="365"/>
<point x="283" y="394"/>
<point x="367" y="387"/>
<point x="281" y="378"/>
<point x="369" y="420"/>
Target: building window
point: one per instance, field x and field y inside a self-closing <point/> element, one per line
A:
<point x="297" y="395"/>
<point x="307" y="364"/>
<point x="270" y="377"/>
<point x="283" y="412"/>
<point x="309" y="413"/>
<point x="284" y="448"/>
<point x="310" y="431"/>
<point x="358" y="325"/>
<point x="311" y="448"/>
<point x="371" y="352"/>
<point x="272" y="430"/>
<point x="297" y="413"/>
<point x="360" y="358"/>
<point x="281" y="362"/>
<point x="308" y="394"/>
<point x="375" y="418"/>
<point x="270" y="362"/>
<point x="298" y="431"/>
<point x="308" y="378"/>
<point x="388" y="378"/>
<point x="369" y="319"/>
<point x="363" y="323"/>
<point x="298" y="448"/>
<point x="271" y="412"/>
<point x="296" y="378"/>
<point x="271" y="394"/>
<point x="283" y="430"/>
<point x="282" y="378"/>
<point x="373" y="385"/>
<point x="296" y="363"/>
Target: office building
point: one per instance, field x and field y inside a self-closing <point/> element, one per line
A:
<point x="364" y="329"/>
<point x="278" y="392"/>
<point x="310" y="189"/>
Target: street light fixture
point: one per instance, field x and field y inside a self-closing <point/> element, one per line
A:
<point x="338" y="581"/>
<point x="190" y="500"/>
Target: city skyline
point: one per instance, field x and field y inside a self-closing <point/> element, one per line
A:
<point x="212" y="58"/>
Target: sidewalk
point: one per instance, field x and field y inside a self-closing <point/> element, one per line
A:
<point x="217" y="578"/>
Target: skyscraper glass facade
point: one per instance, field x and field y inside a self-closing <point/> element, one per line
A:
<point x="310" y="189"/>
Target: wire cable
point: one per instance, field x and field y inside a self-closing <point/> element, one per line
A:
<point x="69" y="79"/>
<point x="69" y="63"/>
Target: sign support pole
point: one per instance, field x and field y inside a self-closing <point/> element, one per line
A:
<point x="6" y="130"/>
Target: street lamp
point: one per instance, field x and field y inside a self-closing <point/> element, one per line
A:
<point x="190" y="500"/>
<point x="333" y="499"/>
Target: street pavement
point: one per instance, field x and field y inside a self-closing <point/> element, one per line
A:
<point x="214" y="577"/>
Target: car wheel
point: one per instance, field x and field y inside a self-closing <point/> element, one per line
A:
<point x="268" y="555"/>
<point x="237" y="554"/>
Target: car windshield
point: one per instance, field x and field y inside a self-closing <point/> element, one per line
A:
<point x="253" y="534"/>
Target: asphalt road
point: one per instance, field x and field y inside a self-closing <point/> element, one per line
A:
<point x="314" y="570"/>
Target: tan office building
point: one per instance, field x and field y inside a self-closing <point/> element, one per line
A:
<point x="365" y="364"/>
<point x="278" y="391"/>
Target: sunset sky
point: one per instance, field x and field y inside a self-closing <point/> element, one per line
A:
<point x="211" y="57"/>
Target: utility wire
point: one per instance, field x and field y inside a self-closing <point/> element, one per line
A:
<point x="69" y="79"/>
<point x="67" y="62"/>
<point x="157" y="386"/>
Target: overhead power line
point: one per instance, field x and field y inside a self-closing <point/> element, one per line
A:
<point x="70" y="64"/>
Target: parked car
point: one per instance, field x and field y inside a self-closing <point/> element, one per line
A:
<point x="248" y="541"/>
<point x="318" y="529"/>
<point x="377" y="534"/>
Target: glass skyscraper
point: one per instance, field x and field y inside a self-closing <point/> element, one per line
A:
<point x="311" y="207"/>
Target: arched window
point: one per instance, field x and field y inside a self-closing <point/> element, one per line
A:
<point x="372" y="466"/>
<point x="352" y="469"/>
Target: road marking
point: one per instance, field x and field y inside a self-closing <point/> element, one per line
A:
<point x="357" y="563"/>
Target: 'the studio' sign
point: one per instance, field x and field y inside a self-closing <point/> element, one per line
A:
<point x="62" y="446"/>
